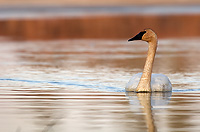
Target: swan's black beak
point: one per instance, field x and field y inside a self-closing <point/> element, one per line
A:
<point x="138" y="36"/>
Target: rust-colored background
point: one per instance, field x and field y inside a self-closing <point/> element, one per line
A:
<point x="101" y="27"/>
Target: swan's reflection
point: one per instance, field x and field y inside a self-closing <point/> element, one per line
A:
<point x="148" y="102"/>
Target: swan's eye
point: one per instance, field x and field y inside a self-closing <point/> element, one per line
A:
<point x="142" y="33"/>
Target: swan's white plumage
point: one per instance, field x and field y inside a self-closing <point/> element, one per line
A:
<point x="159" y="82"/>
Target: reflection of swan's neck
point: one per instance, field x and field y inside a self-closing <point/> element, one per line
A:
<point x="145" y="81"/>
<point x="145" y="101"/>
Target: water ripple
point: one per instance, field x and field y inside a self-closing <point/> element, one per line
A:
<point x="94" y="86"/>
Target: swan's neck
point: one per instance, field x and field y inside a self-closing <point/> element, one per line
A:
<point x="145" y="81"/>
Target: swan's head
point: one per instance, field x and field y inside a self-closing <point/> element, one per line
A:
<point x="147" y="35"/>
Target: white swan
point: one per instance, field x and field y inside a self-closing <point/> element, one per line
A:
<point x="146" y="81"/>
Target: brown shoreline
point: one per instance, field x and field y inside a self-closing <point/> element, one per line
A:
<point x="100" y="27"/>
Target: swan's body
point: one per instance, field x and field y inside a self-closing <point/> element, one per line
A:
<point x="159" y="82"/>
<point x="146" y="81"/>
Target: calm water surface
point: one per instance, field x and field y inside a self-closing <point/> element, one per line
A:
<point x="78" y="85"/>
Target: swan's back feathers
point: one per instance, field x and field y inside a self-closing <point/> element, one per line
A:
<point x="159" y="82"/>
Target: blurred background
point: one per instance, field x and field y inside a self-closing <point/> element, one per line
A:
<point x="114" y="19"/>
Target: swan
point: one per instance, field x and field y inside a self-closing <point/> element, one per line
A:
<point x="146" y="81"/>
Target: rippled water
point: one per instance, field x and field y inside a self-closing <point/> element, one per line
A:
<point x="78" y="85"/>
<point x="68" y="11"/>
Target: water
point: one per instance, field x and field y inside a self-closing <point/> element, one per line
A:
<point x="24" y="12"/>
<point x="78" y="85"/>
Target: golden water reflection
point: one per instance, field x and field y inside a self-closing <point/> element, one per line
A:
<point x="147" y="102"/>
